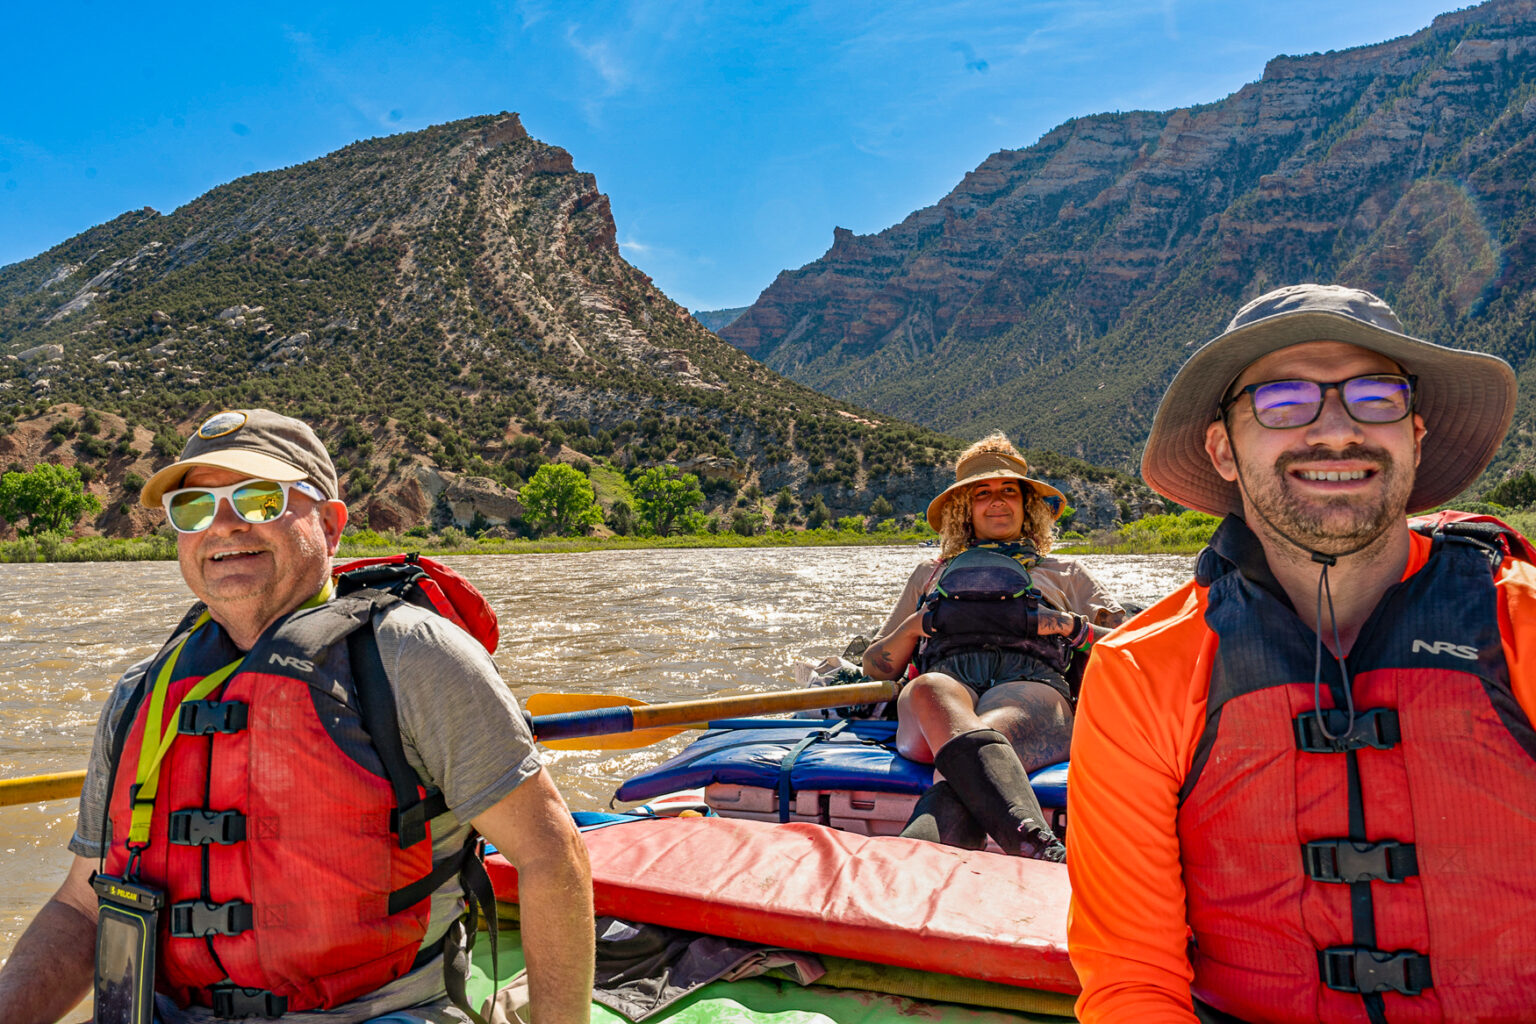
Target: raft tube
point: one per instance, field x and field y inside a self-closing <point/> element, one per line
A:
<point x="881" y="899"/>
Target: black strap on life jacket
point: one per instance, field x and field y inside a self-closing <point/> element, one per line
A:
<point x="376" y="707"/>
<point x="1354" y="860"/>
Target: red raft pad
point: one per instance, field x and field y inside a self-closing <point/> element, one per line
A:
<point x="878" y="898"/>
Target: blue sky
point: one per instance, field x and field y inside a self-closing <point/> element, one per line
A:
<point x="731" y="136"/>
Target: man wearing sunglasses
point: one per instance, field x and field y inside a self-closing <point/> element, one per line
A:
<point x="1304" y="785"/>
<point x="310" y="897"/>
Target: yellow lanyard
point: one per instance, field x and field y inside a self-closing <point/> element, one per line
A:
<point x="160" y="733"/>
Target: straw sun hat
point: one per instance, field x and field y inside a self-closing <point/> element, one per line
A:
<point x="1466" y="398"/>
<point x="994" y="466"/>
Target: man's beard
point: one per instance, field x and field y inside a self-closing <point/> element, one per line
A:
<point x="1332" y="526"/>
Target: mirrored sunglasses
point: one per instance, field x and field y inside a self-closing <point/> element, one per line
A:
<point x="192" y="509"/>
<point x="1372" y="398"/>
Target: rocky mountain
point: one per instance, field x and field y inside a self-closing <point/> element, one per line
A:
<point x="719" y="319"/>
<point x="1055" y="290"/>
<point x="450" y="310"/>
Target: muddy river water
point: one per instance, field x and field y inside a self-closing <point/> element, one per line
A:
<point x="657" y="625"/>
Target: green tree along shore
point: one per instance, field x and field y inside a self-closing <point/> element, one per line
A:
<point x="52" y="547"/>
<point x="1182" y="533"/>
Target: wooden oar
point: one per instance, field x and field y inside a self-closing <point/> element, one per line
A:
<point x="587" y="721"/>
<point x="36" y="788"/>
<point x="575" y="721"/>
<point x="541" y="705"/>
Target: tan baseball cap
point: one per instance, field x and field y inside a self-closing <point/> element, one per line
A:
<point x="257" y="442"/>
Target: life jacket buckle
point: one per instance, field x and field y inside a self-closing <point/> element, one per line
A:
<point x="1344" y="860"/>
<point x="232" y="1002"/>
<point x="1364" y="970"/>
<point x="196" y="919"/>
<point x="1377" y="728"/>
<point x="197" y="826"/>
<point x="206" y="717"/>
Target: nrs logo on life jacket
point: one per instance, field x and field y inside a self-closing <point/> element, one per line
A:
<point x="1445" y="647"/>
<point x="284" y="661"/>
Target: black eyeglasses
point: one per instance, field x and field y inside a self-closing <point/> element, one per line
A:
<point x="1372" y="398"/>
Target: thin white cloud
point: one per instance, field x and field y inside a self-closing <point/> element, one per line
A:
<point x="531" y="12"/>
<point x="603" y="58"/>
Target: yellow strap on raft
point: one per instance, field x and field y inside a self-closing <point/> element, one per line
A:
<point x="160" y="733"/>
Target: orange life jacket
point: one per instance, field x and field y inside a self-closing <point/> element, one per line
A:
<point x="1383" y="874"/>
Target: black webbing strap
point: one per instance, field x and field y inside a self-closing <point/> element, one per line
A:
<point x="441" y="874"/>
<point x="376" y="707"/>
<point x="787" y="765"/>
<point x="1361" y="905"/>
<point x="479" y="900"/>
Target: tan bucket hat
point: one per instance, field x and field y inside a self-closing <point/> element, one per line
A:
<point x="995" y="466"/>
<point x="1467" y="399"/>
<point x="257" y="442"/>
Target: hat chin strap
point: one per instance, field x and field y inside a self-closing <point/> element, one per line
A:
<point x="1324" y="591"/>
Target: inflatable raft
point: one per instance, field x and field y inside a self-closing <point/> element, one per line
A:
<point x="796" y="848"/>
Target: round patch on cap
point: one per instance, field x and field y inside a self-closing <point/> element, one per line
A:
<point x="220" y="424"/>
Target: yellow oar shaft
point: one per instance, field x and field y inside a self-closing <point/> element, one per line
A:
<point x="62" y="785"/>
<point x="35" y="788"/>
<point x="687" y="712"/>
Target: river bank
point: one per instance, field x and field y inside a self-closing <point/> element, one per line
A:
<point x="1181" y="533"/>
<point x="366" y="543"/>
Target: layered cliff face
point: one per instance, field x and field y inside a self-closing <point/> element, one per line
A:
<point x="1056" y="288"/>
<point x="449" y="309"/>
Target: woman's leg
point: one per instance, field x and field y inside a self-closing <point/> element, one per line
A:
<point x="937" y="706"/>
<point x="1034" y="716"/>
<point x="937" y="722"/>
<point x="932" y="710"/>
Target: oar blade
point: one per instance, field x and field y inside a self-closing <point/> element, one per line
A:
<point x="560" y="703"/>
<point x="617" y="741"/>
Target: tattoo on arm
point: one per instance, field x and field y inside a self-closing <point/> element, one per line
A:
<point x="882" y="661"/>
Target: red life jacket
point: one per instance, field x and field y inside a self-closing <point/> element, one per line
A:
<point x="1384" y="874"/>
<point x="272" y="826"/>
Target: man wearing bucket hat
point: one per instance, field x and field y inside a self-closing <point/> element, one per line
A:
<point x="1304" y="785"/>
<point x="990" y="631"/>
<point x="277" y="848"/>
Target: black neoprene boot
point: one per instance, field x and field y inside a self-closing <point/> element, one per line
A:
<point x="985" y="773"/>
<point x="940" y="817"/>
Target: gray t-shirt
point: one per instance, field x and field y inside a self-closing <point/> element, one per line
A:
<point x="462" y="732"/>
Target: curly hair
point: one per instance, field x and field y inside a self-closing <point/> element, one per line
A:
<point x="955" y="530"/>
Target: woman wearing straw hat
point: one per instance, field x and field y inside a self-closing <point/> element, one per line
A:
<point x="990" y="630"/>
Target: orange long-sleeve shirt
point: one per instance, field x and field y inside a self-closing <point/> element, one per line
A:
<point x="1141" y="714"/>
